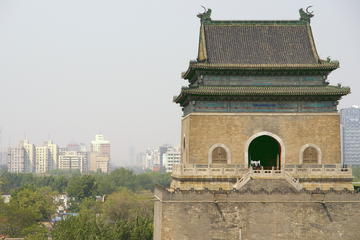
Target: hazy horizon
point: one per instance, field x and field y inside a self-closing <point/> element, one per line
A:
<point x="72" y="69"/>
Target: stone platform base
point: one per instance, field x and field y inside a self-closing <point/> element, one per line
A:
<point x="201" y="177"/>
<point x="261" y="210"/>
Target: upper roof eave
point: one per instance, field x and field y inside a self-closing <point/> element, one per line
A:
<point x="264" y="91"/>
<point x="327" y="66"/>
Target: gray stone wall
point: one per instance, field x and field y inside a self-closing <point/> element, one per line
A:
<point x="220" y="215"/>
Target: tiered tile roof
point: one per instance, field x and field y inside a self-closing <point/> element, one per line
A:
<point x="253" y="48"/>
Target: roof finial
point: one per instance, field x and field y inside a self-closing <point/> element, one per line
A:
<point x="306" y="15"/>
<point x="205" y="16"/>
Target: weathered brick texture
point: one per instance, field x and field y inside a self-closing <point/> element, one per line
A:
<point x="206" y="215"/>
<point x="201" y="131"/>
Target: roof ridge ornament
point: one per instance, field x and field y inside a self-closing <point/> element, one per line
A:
<point x="205" y="16"/>
<point x="306" y="15"/>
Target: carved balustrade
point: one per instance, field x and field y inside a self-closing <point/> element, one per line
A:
<point x="240" y="170"/>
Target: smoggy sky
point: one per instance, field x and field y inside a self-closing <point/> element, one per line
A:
<point x="72" y="68"/>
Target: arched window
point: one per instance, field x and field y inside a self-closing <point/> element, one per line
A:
<point x="310" y="156"/>
<point x="219" y="155"/>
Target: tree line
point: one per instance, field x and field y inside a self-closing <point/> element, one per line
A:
<point x="127" y="212"/>
<point x="101" y="183"/>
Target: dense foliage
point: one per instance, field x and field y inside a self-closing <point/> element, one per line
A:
<point x="127" y="212"/>
<point x="91" y="185"/>
<point x="27" y="208"/>
<point x="125" y="215"/>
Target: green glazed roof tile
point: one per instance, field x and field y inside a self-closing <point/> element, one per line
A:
<point x="262" y="91"/>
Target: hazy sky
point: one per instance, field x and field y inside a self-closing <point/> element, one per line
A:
<point x="72" y="68"/>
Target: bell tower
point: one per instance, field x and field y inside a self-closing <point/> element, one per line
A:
<point x="260" y="140"/>
<point x="258" y="100"/>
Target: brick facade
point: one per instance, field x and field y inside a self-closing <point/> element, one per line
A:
<point x="201" y="131"/>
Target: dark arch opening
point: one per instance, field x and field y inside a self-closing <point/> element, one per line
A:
<point x="266" y="150"/>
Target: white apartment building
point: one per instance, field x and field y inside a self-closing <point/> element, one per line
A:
<point x="16" y="160"/>
<point x="21" y="159"/>
<point x="73" y="160"/>
<point x="54" y="154"/>
<point x="171" y="157"/>
<point x="30" y="155"/>
<point x="43" y="157"/>
<point x="151" y="158"/>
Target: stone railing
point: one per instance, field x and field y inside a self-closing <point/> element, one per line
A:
<point x="239" y="170"/>
<point x="324" y="169"/>
<point x="209" y="170"/>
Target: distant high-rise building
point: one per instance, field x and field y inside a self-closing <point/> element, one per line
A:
<point x="100" y="145"/>
<point x="83" y="151"/>
<point x="100" y="154"/>
<point x="73" y="160"/>
<point x="350" y="122"/>
<point x="162" y="150"/>
<point x="43" y="156"/>
<point x="171" y="157"/>
<point x="159" y="158"/>
<point x="16" y="159"/>
<point x="151" y="159"/>
<point x="21" y="159"/>
<point x="54" y="154"/>
<point x="29" y="155"/>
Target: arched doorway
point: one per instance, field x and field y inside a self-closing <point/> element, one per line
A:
<point x="265" y="151"/>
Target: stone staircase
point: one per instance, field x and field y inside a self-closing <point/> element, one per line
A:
<point x="267" y="174"/>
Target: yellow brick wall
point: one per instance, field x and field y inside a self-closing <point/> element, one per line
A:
<point x="201" y="131"/>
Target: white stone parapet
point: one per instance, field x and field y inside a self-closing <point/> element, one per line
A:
<point x="300" y="171"/>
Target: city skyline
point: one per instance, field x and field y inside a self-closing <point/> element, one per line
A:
<point x="67" y="78"/>
<point x="27" y="157"/>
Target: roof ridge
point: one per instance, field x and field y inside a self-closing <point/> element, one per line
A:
<point x="305" y="16"/>
<point x="246" y="22"/>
